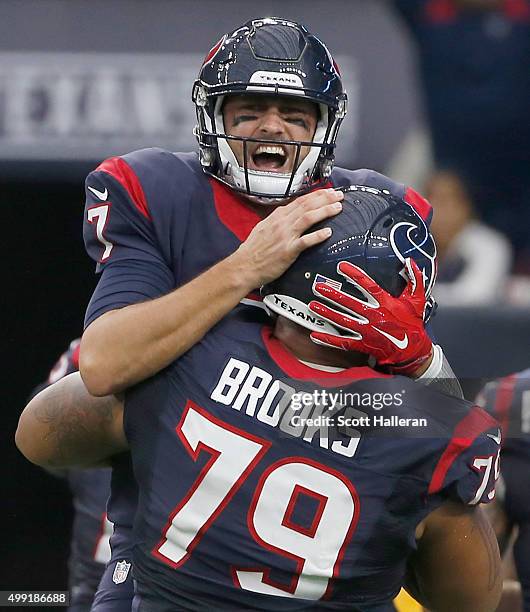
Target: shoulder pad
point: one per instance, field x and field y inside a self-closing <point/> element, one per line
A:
<point x="364" y="176"/>
<point x="469" y="465"/>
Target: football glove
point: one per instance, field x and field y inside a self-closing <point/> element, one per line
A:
<point x="389" y="328"/>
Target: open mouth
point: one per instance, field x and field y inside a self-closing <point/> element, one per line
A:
<point x="269" y="158"/>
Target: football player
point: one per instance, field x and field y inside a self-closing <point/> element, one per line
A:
<point x="270" y="103"/>
<point x="91" y="530"/>
<point x="508" y="400"/>
<point x="252" y="497"/>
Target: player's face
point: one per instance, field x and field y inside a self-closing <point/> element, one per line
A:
<point x="270" y="118"/>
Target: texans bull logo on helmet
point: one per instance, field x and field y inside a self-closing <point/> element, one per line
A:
<point x="414" y="240"/>
<point x="375" y="231"/>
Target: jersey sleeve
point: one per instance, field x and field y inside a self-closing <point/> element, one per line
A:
<point x="67" y="363"/>
<point x="371" y="178"/>
<point x="129" y="228"/>
<point x="467" y="469"/>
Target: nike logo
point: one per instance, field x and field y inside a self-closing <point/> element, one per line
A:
<point x="102" y="195"/>
<point x="401" y="344"/>
<point x="496" y="438"/>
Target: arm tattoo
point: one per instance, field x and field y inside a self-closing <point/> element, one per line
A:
<point x="75" y="421"/>
<point x="489" y="540"/>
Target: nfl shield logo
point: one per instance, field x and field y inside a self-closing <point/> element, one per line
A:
<point x="121" y="572"/>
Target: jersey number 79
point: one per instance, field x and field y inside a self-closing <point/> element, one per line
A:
<point x="318" y="549"/>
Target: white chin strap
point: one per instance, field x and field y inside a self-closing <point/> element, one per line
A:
<point x="268" y="184"/>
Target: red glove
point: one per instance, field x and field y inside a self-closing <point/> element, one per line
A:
<point x="391" y="329"/>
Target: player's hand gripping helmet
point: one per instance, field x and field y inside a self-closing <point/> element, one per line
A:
<point x="375" y="231"/>
<point x="269" y="56"/>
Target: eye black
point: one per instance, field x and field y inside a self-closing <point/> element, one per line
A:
<point x="241" y="118"/>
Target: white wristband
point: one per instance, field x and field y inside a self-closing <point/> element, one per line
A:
<point x="435" y="367"/>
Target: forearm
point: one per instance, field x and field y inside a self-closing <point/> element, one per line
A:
<point x="127" y="345"/>
<point x="64" y="426"/>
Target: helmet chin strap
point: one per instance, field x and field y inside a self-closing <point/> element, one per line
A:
<point x="262" y="201"/>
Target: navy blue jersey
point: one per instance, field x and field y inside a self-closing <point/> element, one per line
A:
<point x="91" y="529"/>
<point x="508" y="400"/>
<point x="121" y="507"/>
<point x="250" y="499"/>
<point x="154" y="220"/>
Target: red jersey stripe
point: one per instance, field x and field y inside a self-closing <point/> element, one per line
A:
<point x="476" y="422"/>
<point x="124" y="174"/>
<point x="233" y="213"/>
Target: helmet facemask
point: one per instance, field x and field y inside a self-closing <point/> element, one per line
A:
<point x="268" y="186"/>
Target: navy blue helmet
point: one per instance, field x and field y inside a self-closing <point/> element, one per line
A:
<point x="376" y="231"/>
<point x="270" y="56"/>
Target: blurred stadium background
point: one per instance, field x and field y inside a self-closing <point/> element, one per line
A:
<point x="83" y="80"/>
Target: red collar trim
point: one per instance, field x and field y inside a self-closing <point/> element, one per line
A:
<point x="232" y="211"/>
<point x="295" y="369"/>
<point x="255" y="295"/>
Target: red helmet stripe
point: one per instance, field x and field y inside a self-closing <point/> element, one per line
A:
<point x="213" y="50"/>
<point x="475" y="423"/>
<point x="418" y="203"/>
